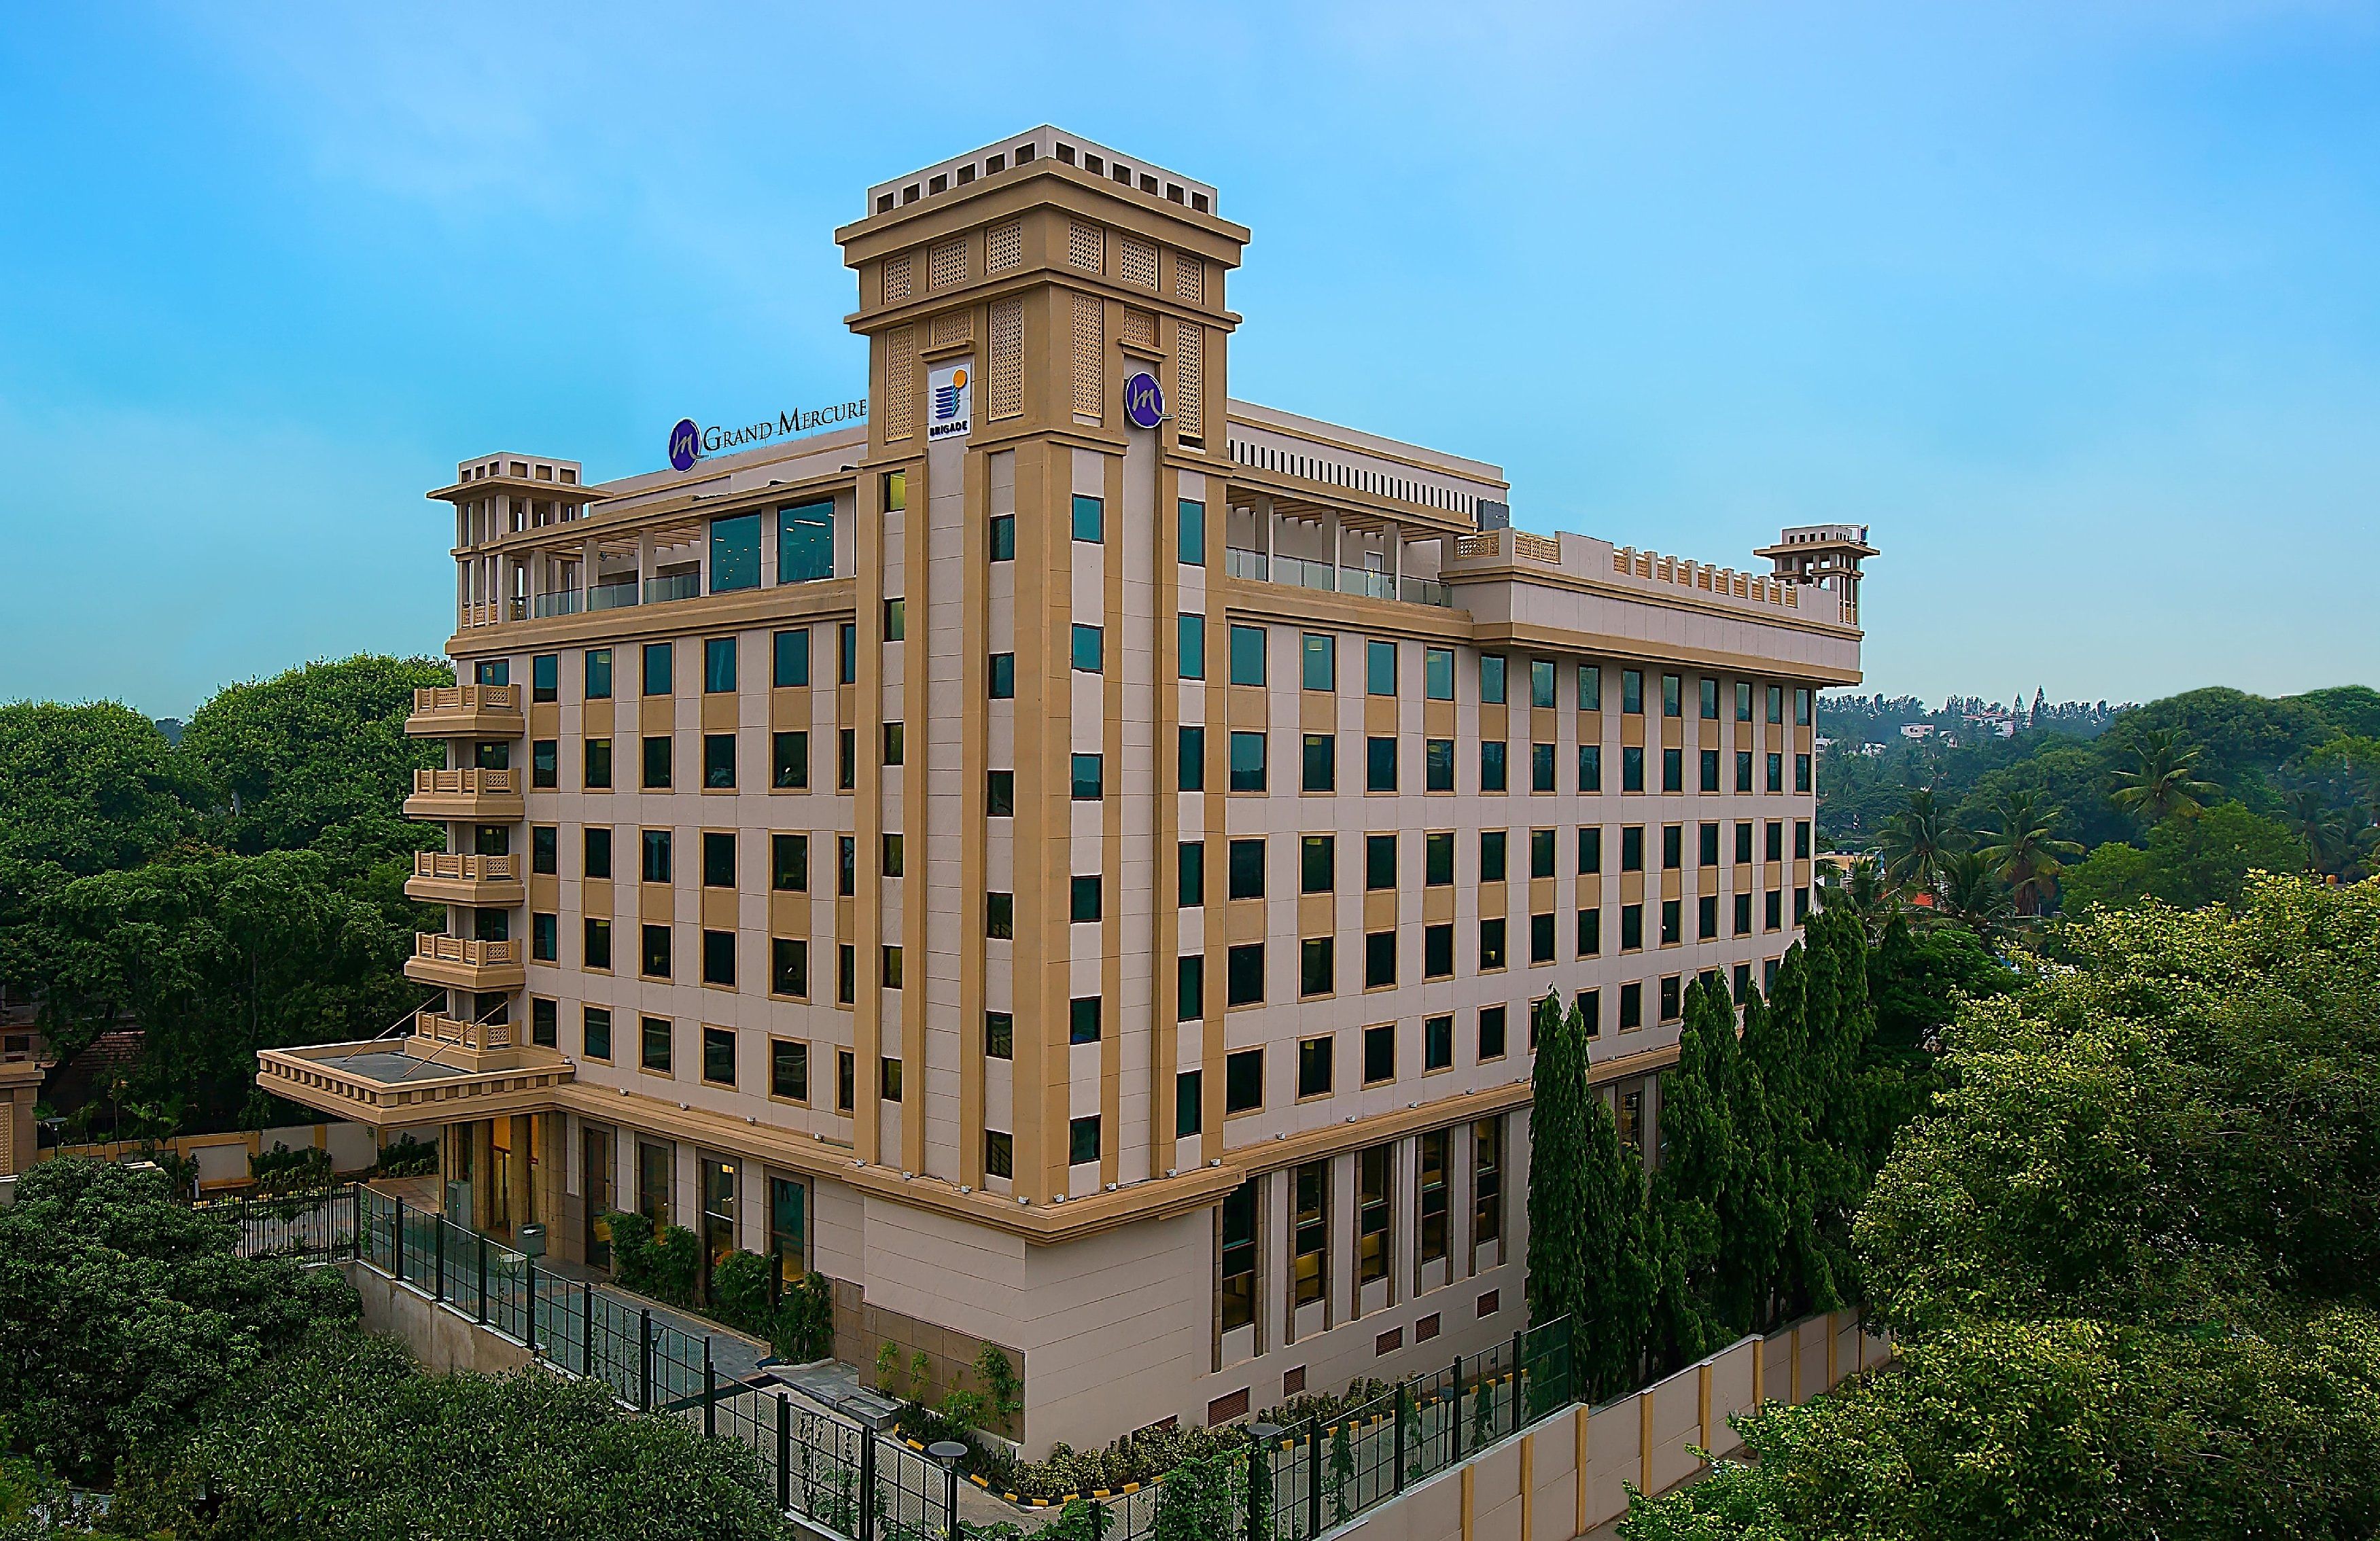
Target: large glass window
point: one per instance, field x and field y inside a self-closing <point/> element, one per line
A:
<point x="1433" y="1148"/>
<point x="1380" y="668"/>
<point x="1192" y="520"/>
<point x="1192" y="634"/>
<point x="793" y="657"/>
<point x="1247" y="655"/>
<point x="659" y="670"/>
<point x="1318" y="662"/>
<point x="598" y="673"/>
<point x="736" y="553"/>
<point x="805" y="541"/>
<point x="1312" y="1247"/>
<point x="1487" y="1180"/>
<point x="1372" y="1212"/>
<point x="1238" y="1304"/>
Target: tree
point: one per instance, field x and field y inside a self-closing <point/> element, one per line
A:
<point x="1614" y="1292"/>
<point x="2025" y="851"/>
<point x="1919" y="840"/>
<point x="1971" y="895"/>
<point x="1695" y="1182"/>
<point x="125" y="1309"/>
<point x="1862" y="894"/>
<point x="86" y="788"/>
<point x="1557" y="1197"/>
<point x="2162" y="782"/>
<point x="2189" y="862"/>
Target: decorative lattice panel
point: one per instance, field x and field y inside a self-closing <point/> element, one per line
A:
<point x="1008" y="358"/>
<point x="951" y="326"/>
<point x="946" y="264"/>
<point x="1139" y="328"/>
<point x="1090" y="356"/>
<point x="897" y="279"/>
<point x="1003" y="247"/>
<point x="1189" y="278"/>
<point x="1084" y="247"/>
<point x="1137" y="262"/>
<point x="1189" y="380"/>
<point x="900" y="380"/>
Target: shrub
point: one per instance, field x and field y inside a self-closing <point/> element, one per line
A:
<point x="406" y="1157"/>
<point x="284" y="1171"/>
<point x="663" y="1263"/>
<point x="805" y="1326"/>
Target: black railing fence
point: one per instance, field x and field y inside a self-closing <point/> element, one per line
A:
<point x="1290" y="1484"/>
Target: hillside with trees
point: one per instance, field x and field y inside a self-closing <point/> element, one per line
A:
<point x="240" y="889"/>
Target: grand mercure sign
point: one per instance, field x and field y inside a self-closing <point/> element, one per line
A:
<point x="690" y="443"/>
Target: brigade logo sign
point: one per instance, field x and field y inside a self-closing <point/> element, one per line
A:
<point x="950" y="392"/>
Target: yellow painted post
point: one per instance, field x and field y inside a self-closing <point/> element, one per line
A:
<point x="1466" y="1503"/>
<point x="1794" y="1369"/>
<point x="1702" y="1405"/>
<point x="1644" y="1443"/>
<point x="1759" y="1373"/>
<point x="1580" y="1421"/>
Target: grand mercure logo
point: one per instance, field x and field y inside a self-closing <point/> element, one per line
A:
<point x="689" y="443"/>
<point x="1144" y="400"/>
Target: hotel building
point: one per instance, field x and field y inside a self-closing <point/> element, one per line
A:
<point x="1070" y="855"/>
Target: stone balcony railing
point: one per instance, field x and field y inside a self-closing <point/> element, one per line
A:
<point x="466" y="783"/>
<point x="467" y="951"/>
<point x="455" y="867"/>
<point x="1584" y="557"/>
<point x="439" y="1029"/>
<point x="467" y="698"/>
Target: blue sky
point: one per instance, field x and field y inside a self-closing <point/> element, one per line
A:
<point x="2078" y="307"/>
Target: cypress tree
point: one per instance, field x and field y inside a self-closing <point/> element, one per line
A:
<point x="1696" y="1175"/>
<point x="1753" y="1218"/>
<point x="1615" y="1292"/>
<point x="1557" y="1163"/>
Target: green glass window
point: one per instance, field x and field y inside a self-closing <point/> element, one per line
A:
<point x="1437" y="673"/>
<point x="659" y="673"/>
<point x="792" y="657"/>
<point x="805" y="542"/>
<point x="1088" y="649"/>
<point x="545" y="677"/>
<point x="718" y="666"/>
<point x="1086" y="779"/>
<point x="598" y="673"/>
<point x="1318" y="662"/>
<point x="1190" y="759"/>
<point x="1003" y="676"/>
<point x="736" y="553"/>
<point x="1247" y="655"/>
<point x="1083" y="1019"/>
<point x="1541" y="682"/>
<point x="1192" y="645"/>
<point x="1190" y="518"/>
<point x="1090" y="517"/>
<point x="1590" y="687"/>
<point x="1083" y="1139"/>
<point x="1247" y="761"/>
<point x="1380" y="668"/>
<point x="1190" y="878"/>
<point x="1189" y="1107"/>
<point x="1082" y="901"/>
<point x="1491" y="679"/>
<point x="1379" y="861"/>
<point x="1003" y="538"/>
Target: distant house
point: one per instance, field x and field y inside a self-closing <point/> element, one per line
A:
<point x="1916" y="729"/>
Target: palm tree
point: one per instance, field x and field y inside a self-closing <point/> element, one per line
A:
<point x="2025" y="851"/>
<point x="2314" y="808"/>
<point x="1973" y="896"/>
<point x="1917" y="840"/>
<point x="1860" y="892"/>
<point x="2162" y="782"/>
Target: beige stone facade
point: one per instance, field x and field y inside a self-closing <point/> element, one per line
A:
<point x="1081" y="886"/>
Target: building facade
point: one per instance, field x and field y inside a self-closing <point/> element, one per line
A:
<point x="1071" y="856"/>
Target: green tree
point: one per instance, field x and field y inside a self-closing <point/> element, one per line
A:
<point x="1695" y="1185"/>
<point x="2162" y="781"/>
<point x="86" y="788"/>
<point x="1919" y="841"/>
<point x="2353" y="709"/>
<point x="1862" y="895"/>
<point x="1614" y="1292"/>
<point x="1559" y="1095"/>
<point x="125" y="1308"/>
<point x="1972" y="896"/>
<point x="2189" y="862"/>
<point x="2026" y="849"/>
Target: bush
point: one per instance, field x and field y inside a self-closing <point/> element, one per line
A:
<point x="407" y="1157"/>
<point x="347" y="1439"/>
<point x="663" y="1263"/>
<point x="284" y="1171"/>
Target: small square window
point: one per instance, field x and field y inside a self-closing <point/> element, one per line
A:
<point x="1082" y="901"/>
<point x="896" y="743"/>
<point x="1089" y="648"/>
<point x="1083" y="1140"/>
<point x="789" y="1070"/>
<point x="1003" y="538"/>
<point x="654" y="1046"/>
<point x="789" y="761"/>
<point x="1083" y="1019"/>
<point x="1086" y="778"/>
<point x="888" y="1083"/>
<point x="1003" y="676"/>
<point x="719" y="1056"/>
<point x="1248" y="644"/>
<point x="999" y="1154"/>
<point x="1243" y="974"/>
<point x="1314" y="1068"/>
<point x="1000" y="794"/>
<point x="1247" y="762"/>
<point x="1491" y="1036"/>
<point x="1243" y="1081"/>
<point x="1380" y="1054"/>
<point x="1090" y="518"/>
<point x="998" y="1036"/>
<point x="718" y="958"/>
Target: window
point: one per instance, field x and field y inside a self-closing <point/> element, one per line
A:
<point x="1493" y="845"/>
<point x="1776" y="703"/>
<point x="545" y="677"/>
<point x="655" y="865"/>
<point x="1706" y="845"/>
<point x="888" y="1078"/>
<point x="1380" y="668"/>
<point x="1247" y="655"/>
<point x="1541" y="768"/>
<point x="1432" y="1192"/>
<point x="1709" y="702"/>
<point x="1437" y="673"/>
<point x="1632" y="926"/>
<point x="1801" y="772"/>
<point x="657" y="761"/>
<point x="1631" y="848"/>
<point x="1190" y="760"/>
<point x="1673" y="847"/>
<point x="1236" y="1302"/>
<point x="1001" y="542"/>
<point x="1437" y="951"/>
<point x="1003" y="676"/>
<point x="1317" y="763"/>
<point x="1189" y="1104"/>
<point x="1541" y="682"/>
<point x="1243" y="974"/>
<point x="1669" y="922"/>
<point x="846" y="974"/>
<point x="1706" y="917"/>
<point x="891" y="852"/>
<point x="1086" y="778"/>
<point x="719" y="660"/>
<point x="1316" y="966"/>
<point x="494" y="672"/>
<point x="1631" y="692"/>
<point x="1189" y="989"/>
<point x="1372" y="1249"/>
<point x="718" y="762"/>
<point x="1090" y="515"/>
<point x="1743" y="700"/>
<point x="719" y="1056"/>
<point x="1772" y="910"/>
<point x="1190" y="532"/>
<point x="1491" y="679"/>
<point x="1744" y="769"/>
<point x="595" y="1032"/>
<point x="1744" y="841"/>
<point x="998" y="1036"/>
<point x="1801" y="839"/>
<point x="1590" y="848"/>
<point x="1491" y="1038"/>
<point x="1089" y="648"/>
<point x="1801" y="905"/>
<point x="789" y="761"/>
<point x="654" y="1044"/>
<point x="896" y="743"/>
<point x="1774" y="841"/>
<point x="1190" y="874"/>
<point x="789" y="967"/>
<point x="544" y="937"/>
<point x="896" y="620"/>
<point x="1590" y="932"/>
<point x="595" y="765"/>
<point x="1313" y="1068"/>
<point x="1491" y="765"/>
<point x="1190" y="633"/>
<point x="544" y="849"/>
<point x="1590" y="1007"/>
<point x="1632" y="769"/>
<point x="597" y="666"/>
<point x="1437" y="765"/>
<point x="1709" y="761"/>
<point x="1379" y="861"/>
<point x="1487" y="1181"/>
<point x="718" y="858"/>
<point x="1541" y="939"/>
<point x="1000" y="794"/>
<point x="791" y="654"/>
<point x="1670" y="998"/>
<point x="1243" y="1081"/>
<point x="1380" y="1054"/>
<point x="658" y="668"/>
<point x="1742" y="984"/>
<point x="1590" y="687"/>
<point x="1247" y="762"/>
<point x="789" y="862"/>
<point x="1775" y="773"/>
<point x="1083" y="900"/>
<point x="1380" y="959"/>
<point x="1317" y="864"/>
<point x="806" y="541"/>
<point x="1491" y="942"/>
<point x="1000" y="917"/>
<point x="846" y="865"/>
<point x="846" y="651"/>
<point x="1673" y="769"/>
<point x="789" y="1070"/>
<point x="1438" y="858"/>
<point x="1310" y="1234"/>
<point x="1671" y="705"/>
<point x="599" y="943"/>
<point x="890" y="967"/>
<point x="655" y="964"/>
<point x="1379" y="764"/>
<point x="1541" y="852"/>
<point x="1631" y="1007"/>
<point x="1743" y="915"/>
<point x="1244" y="874"/>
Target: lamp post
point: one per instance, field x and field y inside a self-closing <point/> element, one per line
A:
<point x="950" y="1453"/>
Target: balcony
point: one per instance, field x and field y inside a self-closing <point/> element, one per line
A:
<point x="467" y="711"/>
<point x="460" y="963"/>
<point x="1303" y="573"/>
<point x="670" y="587"/>
<point x="421" y="1080"/>
<point x="479" y="796"/>
<point x="483" y="882"/>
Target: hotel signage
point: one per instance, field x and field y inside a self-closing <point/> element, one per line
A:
<point x="690" y="443"/>
<point x="950" y="400"/>
<point x="1144" y="401"/>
